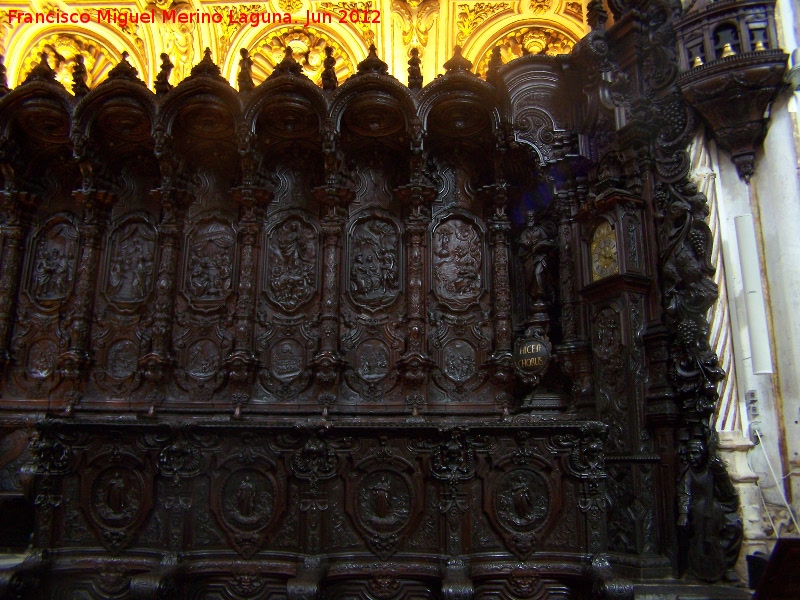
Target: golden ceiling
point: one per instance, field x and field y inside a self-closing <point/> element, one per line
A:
<point x="101" y="31"/>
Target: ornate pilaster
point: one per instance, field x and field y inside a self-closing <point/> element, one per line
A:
<point x="499" y="227"/>
<point x="74" y="330"/>
<point x="156" y="356"/>
<point x="241" y="362"/>
<point x="328" y="362"/>
<point x="415" y="362"/>
<point x="13" y="230"/>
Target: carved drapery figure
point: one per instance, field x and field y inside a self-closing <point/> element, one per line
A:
<point x="708" y="515"/>
<point x="537" y="243"/>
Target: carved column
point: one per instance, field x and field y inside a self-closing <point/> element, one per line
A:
<point x="75" y="329"/>
<point x="13" y="231"/>
<point x="577" y="362"/>
<point x="241" y="363"/>
<point x="499" y="226"/>
<point x="415" y="363"/>
<point x="157" y="356"/>
<point x="328" y="363"/>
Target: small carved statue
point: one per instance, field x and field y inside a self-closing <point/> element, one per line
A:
<point x="162" y="84"/>
<point x="79" y="75"/>
<point x="536" y="244"/>
<point x="245" y="77"/>
<point x="708" y="517"/>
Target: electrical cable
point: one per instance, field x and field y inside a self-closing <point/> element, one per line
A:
<point x="775" y="479"/>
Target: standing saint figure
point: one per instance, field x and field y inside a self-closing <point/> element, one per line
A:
<point x="708" y="515"/>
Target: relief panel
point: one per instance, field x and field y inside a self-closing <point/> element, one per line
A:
<point x="210" y="263"/>
<point x="291" y="276"/>
<point x="373" y="266"/>
<point x="457" y="247"/>
<point x="130" y="265"/>
<point x="52" y="267"/>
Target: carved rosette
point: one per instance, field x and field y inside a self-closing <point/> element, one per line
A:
<point x="247" y="494"/>
<point x="384" y="500"/>
<point x="116" y="496"/>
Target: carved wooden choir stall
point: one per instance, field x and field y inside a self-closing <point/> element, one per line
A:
<point x="364" y="340"/>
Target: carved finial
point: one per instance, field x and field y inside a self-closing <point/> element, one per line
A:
<point x="79" y="87"/>
<point x="288" y="66"/>
<point x="495" y="62"/>
<point x="596" y="15"/>
<point x="245" y="77"/>
<point x="42" y="71"/>
<point x="329" y="81"/>
<point x="3" y="79"/>
<point x="414" y="72"/>
<point x="458" y="62"/>
<point x="162" y="85"/>
<point x="125" y="70"/>
<point x="373" y="64"/>
<point x="206" y="67"/>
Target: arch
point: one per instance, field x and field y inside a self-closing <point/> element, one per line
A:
<point x="251" y="38"/>
<point x="479" y="46"/>
<point x="27" y="38"/>
<point x="371" y="82"/>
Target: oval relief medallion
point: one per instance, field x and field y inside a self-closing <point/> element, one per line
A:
<point x="116" y="497"/>
<point x="248" y="498"/>
<point x="384" y="502"/>
<point x="522" y="500"/>
<point x="286" y="360"/>
<point x="372" y="362"/>
<point x="459" y="360"/>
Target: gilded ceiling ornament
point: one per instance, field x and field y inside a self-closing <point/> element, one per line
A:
<point x="177" y="40"/>
<point x="540" y="6"/>
<point x="472" y="16"/>
<point x="365" y="13"/>
<point x="63" y="48"/>
<point x="417" y="19"/>
<point x="308" y="49"/>
<point x="574" y="9"/>
<point x="290" y="6"/>
<point x="528" y="40"/>
<point x="230" y="25"/>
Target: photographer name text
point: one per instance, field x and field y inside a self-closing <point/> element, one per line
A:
<point x="254" y="19"/>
